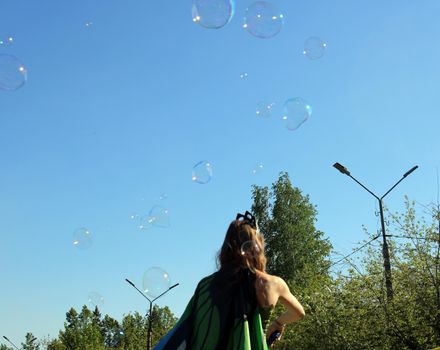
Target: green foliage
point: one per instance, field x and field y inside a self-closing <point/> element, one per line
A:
<point x="295" y="249"/>
<point x="349" y="309"/>
<point x="82" y="331"/>
<point x="55" y="344"/>
<point x="4" y="347"/>
<point x="89" y="330"/>
<point x="30" y="342"/>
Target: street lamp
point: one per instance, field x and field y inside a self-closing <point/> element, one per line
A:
<point x="385" y="249"/>
<point x="15" y="346"/>
<point x="151" y="308"/>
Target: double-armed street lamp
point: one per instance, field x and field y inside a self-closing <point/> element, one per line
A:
<point x="385" y="249"/>
<point x="150" y="316"/>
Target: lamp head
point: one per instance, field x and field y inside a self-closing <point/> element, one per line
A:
<point x="341" y="168"/>
<point x="410" y="170"/>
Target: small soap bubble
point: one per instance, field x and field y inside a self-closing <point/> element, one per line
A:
<point x="163" y="196"/>
<point x="202" y="172"/>
<point x="296" y="111"/>
<point x="160" y="215"/>
<point x="264" y="109"/>
<point x="146" y="222"/>
<point x="258" y="168"/>
<point x="6" y="41"/>
<point x="213" y="14"/>
<point x="243" y="76"/>
<point x="13" y="74"/>
<point x="134" y="216"/>
<point x="95" y="299"/>
<point x="116" y="339"/>
<point x="250" y="249"/>
<point x="82" y="238"/>
<point x="155" y="281"/>
<point x="314" y="48"/>
<point x="263" y="20"/>
<point x="88" y="24"/>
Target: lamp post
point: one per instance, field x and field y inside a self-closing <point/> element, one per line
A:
<point x="150" y="318"/>
<point x="385" y="249"/>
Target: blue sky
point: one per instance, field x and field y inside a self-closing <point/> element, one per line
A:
<point x="116" y="114"/>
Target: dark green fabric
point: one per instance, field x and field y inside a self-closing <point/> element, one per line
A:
<point x="223" y="314"/>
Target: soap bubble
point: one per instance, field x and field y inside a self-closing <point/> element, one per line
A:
<point x="82" y="238"/>
<point x="202" y="172"/>
<point x="264" y="109"/>
<point x="258" y="168"/>
<point x="158" y="216"/>
<point x="296" y="112"/>
<point x="13" y="74"/>
<point x="88" y="24"/>
<point x="6" y="41"/>
<point x="134" y="216"/>
<point x="314" y="48"/>
<point x="213" y="14"/>
<point x="146" y="222"/>
<point x="250" y="249"/>
<point x="263" y="20"/>
<point x="117" y="337"/>
<point x="155" y="281"/>
<point x="95" y="299"/>
<point x="243" y="76"/>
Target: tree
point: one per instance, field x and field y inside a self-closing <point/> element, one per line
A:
<point x="162" y="321"/>
<point x="89" y="330"/>
<point x="30" y="342"/>
<point x="353" y="312"/>
<point x="297" y="252"/>
<point x="82" y="331"/>
<point x="55" y="344"/>
<point x="4" y="347"/>
<point x="295" y="249"/>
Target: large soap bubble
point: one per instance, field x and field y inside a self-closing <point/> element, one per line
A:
<point x="202" y="172"/>
<point x="296" y="111"/>
<point x="213" y="14"/>
<point x="13" y="74"/>
<point x="263" y="20"/>
<point x="155" y="281"/>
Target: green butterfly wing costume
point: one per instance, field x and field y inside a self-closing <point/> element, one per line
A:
<point x="223" y="314"/>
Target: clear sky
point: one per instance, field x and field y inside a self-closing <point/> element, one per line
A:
<point x="116" y="114"/>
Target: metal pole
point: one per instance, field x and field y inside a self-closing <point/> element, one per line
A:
<point x="386" y="256"/>
<point x="150" y="319"/>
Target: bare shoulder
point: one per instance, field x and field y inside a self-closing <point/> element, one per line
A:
<point x="272" y="280"/>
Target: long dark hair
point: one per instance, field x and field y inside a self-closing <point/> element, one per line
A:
<point x="231" y="255"/>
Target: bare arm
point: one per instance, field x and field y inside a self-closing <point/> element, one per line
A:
<point x="294" y="310"/>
